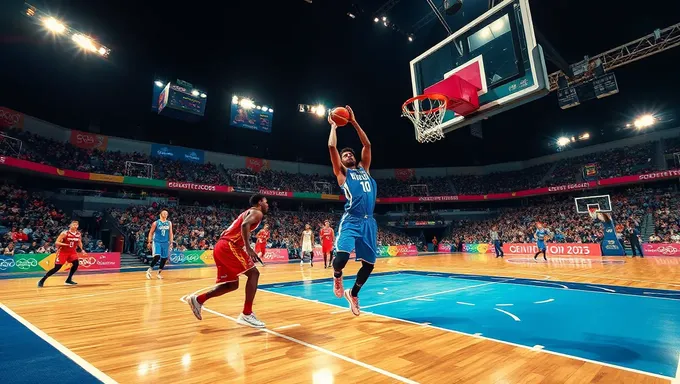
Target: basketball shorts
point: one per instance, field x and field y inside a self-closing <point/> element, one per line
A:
<point x="160" y="249"/>
<point x="260" y="248"/>
<point x="541" y="246"/>
<point x="327" y="247"/>
<point x="358" y="234"/>
<point x="307" y="247"/>
<point x="231" y="261"/>
<point x="65" y="257"/>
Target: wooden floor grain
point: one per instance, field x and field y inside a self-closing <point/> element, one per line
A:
<point x="137" y="330"/>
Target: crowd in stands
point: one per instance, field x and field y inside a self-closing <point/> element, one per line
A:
<point x="610" y="163"/>
<point x="199" y="228"/>
<point x="557" y="213"/>
<point x="29" y="224"/>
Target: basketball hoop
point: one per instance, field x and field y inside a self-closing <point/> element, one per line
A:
<point x="426" y="112"/>
<point x="593" y="211"/>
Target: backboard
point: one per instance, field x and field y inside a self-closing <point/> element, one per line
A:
<point x="603" y="203"/>
<point x="501" y="45"/>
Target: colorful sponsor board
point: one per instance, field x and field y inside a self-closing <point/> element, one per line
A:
<point x="41" y="262"/>
<point x="661" y="249"/>
<point x="88" y="140"/>
<point x="191" y="257"/>
<point x="562" y="249"/>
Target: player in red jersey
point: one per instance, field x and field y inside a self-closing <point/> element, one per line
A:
<point x="327" y="236"/>
<point x="261" y="243"/>
<point x="233" y="257"/>
<point x="67" y="244"/>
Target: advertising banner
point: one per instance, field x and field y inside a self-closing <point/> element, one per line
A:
<point x="444" y="248"/>
<point x="404" y="174"/>
<point x="42" y="262"/>
<point x="191" y="257"/>
<point x="562" y="249"/>
<point x="192" y="186"/>
<point x="11" y="119"/>
<point x="661" y="249"/>
<point x="177" y="153"/>
<point x="397" y="250"/>
<point x="479" y="248"/>
<point x="279" y="255"/>
<point x="661" y="175"/>
<point x="269" y="192"/>
<point x="88" y="140"/>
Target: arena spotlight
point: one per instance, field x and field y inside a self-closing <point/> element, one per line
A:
<point x="195" y="93"/>
<point x="159" y="83"/>
<point x="247" y="103"/>
<point x="203" y="95"/>
<point x="384" y="18"/>
<point x="644" y="121"/>
<point x="53" y="25"/>
<point x="584" y="136"/>
<point x="562" y="141"/>
<point x="376" y="20"/>
<point x="320" y="110"/>
<point x="234" y="99"/>
<point x="271" y="110"/>
<point x="410" y="38"/>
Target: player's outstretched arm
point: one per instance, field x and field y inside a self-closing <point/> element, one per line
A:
<point x="338" y="168"/>
<point x="366" y="150"/>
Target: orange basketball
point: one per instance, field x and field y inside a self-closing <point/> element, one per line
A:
<point x="340" y="116"/>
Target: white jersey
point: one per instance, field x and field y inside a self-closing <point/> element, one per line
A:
<point x="307" y="236"/>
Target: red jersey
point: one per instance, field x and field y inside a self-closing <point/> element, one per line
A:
<point x="233" y="233"/>
<point x="326" y="235"/>
<point x="72" y="240"/>
<point x="262" y="236"/>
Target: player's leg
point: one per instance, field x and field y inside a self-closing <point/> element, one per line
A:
<point x="196" y="301"/>
<point x="74" y="267"/>
<point x="49" y="273"/>
<point x="366" y="249"/>
<point x="344" y="244"/>
<point x="163" y="253"/>
<point x="325" y="260"/>
<point x="155" y="252"/>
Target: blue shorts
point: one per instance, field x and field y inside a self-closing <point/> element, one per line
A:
<point x="159" y="249"/>
<point x="541" y="246"/>
<point x="358" y="234"/>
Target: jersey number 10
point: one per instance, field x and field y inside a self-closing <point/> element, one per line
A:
<point x="366" y="186"/>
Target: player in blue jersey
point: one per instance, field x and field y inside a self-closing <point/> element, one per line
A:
<point x="541" y="236"/>
<point x="358" y="230"/>
<point x="160" y="242"/>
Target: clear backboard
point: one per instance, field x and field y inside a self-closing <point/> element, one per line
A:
<point x="509" y="65"/>
<point x="601" y="203"/>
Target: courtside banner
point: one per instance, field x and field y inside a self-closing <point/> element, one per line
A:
<point x="653" y="176"/>
<point x="191" y="257"/>
<point x="192" y="186"/>
<point x="276" y="255"/>
<point x="561" y="249"/>
<point x="270" y="192"/>
<point x="479" y="248"/>
<point x="42" y="262"/>
<point x="444" y="248"/>
<point x="661" y="249"/>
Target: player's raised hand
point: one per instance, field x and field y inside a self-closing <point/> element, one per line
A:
<point x="351" y="118"/>
<point x="331" y="122"/>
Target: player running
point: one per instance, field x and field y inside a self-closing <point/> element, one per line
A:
<point x="327" y="236"/>
<point x="67" y="244"/>
<point x="233" y="257"/>
<point x="307" y="241"/>
<point x="358" y="229"/>
<point x="261" y="242"/>
<point x="160" y="242"/>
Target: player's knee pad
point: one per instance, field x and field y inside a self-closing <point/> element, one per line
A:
<point x="368" y="267"/>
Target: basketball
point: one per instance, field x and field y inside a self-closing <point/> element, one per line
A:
<point x="340" y="116"/>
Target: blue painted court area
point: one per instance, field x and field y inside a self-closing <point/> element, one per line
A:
<point x="27" y="358"/>
<point x="633" y="328"/>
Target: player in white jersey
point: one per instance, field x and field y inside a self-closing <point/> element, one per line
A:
<point x="307" y="244"/>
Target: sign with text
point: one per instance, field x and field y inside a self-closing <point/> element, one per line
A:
<point x="11" y="119"/>
<point x="562" y="249"/>
<point x="661" y="249"/>
<point x="88" y="140"/>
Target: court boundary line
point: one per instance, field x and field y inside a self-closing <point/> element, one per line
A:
<point x="309" y="345"/>
<point x="480" y="336"/>
<point x="84" y="364"/>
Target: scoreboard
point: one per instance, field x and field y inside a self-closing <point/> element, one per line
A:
<point x="178" y="100"/>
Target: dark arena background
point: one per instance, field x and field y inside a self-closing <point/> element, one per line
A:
<point x="525" y="227"/>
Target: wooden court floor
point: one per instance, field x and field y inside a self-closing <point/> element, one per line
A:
<point x="137" y="331"/>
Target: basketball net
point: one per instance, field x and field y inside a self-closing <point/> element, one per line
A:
<point x="593" y="211"/>
<point x="426" y="112"/>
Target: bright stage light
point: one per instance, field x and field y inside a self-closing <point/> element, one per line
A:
<point x="195" y="93"/>
<point x="562" y="141"/>
<point x="159" y="83"/>
<point x="247" y="103"/>
<point x="53" y="25"/>
<point x="644" y="121"/>
<point x="320" y="110"/>
<point x="84" y="42"/>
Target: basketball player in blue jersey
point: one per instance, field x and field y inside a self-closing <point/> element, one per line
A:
<point x="541" y="236"/>
<point x="357" y="230"/>
<point x="160" y="241"/>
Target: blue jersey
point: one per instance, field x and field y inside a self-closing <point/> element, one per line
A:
<point x="360" y="191"/>
<point x="541" y="234"/>
<point x="162" y="232"/>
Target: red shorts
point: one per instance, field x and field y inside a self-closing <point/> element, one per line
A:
<point x="65" y="257"/>
<point x="260" y="248"/>
<point x="327" y="247"/>
<point x="231" y="261"/>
